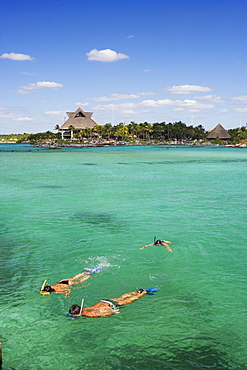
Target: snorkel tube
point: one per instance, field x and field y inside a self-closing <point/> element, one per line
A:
<point x="76" y="316"/>
<point x="82" y="304"/>
<point x="42" y="287"/>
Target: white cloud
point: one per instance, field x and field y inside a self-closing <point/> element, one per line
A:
<point x="157" y="103"/>
<point x="131" y="36"/>
<point x="180" y="103"/>
<point x="23" y="119"/>
<point x="41" y="85"/>
<point x="20" y="91"/>
<point x="147" y="70"/>
<point x="6" y="113"/>
<point x="189" y="106"/>
<point x="187" y="89"/>
<point x="106" y="55"/>
<point x="241" y="110"/>
<point x="144" y="93"/>
<point x="212" y="98"/>
<point x="193" y="104"/>
<point x="116" y="97"/>
<point x="16" y="56"/>
<point x="28" y="73"/>
<point x="241" y="99"/>
<point x="55" y="112"/>
<point x="222" y="111"/>
<point x="124" y="109"/>
<point x="80" y="104"/>
<point x="190" y="110"/>
<point x="38" y="85"/>
<point x="111" y="106"/>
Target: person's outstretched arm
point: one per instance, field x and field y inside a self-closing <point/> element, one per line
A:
<point x="148" y="245"/>
<point x="67" y="293"/>
<point x="167" y="245"/>
<point x="61" y="288"/>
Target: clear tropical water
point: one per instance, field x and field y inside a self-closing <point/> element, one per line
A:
<point x="63" y="210"/>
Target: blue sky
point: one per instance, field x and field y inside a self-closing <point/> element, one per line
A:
<point x="132" y="60"/>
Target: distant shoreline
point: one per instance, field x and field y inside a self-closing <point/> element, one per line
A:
<point x="55" y="146"/>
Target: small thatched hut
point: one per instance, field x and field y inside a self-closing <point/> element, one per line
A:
<point x="79" y="120"/>
<point x="218" y="132"/>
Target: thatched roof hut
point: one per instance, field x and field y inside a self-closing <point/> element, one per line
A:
<point x="79" y="119"/>
<point x="218" y="132"/>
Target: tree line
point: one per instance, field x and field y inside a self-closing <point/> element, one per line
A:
<point x="159" y="131"/>
<point x="141" y="131"/>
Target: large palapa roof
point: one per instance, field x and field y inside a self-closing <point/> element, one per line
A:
<point x="218" y="132"/>
<point x="79" y="119"/>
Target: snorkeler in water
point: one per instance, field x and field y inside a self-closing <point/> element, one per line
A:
<point x="107" y="307"/>
<point x="159" y="242"/>
<point x="63" y="285"/>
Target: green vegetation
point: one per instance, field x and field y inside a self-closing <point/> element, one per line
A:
<point x="32" y="138"/>
<point x="131" y="133"/>
<point x="13" y="138"/>
<point x="42" y="137"/>
<point x="238" y="134"/>
<point x="142" y="131"/>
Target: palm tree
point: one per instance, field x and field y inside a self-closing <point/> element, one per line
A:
<point x="71" y="128"/>
<point x="88" y="132"/>
<point x="134" y="128"/>
<point x="78" y="135"/>
<point x="98" y="131"/>
<point x="121" y="131"/>
<point x="107" y="130"/>
<point x="147" y="129"/>
<point x="57" y="127"/>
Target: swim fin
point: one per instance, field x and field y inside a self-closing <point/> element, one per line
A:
<point x="91" y="271"/>
<point x="151" y="291"/>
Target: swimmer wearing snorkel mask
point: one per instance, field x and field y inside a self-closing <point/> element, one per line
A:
<point x="63" y="286"/>
<point x="160" y="242"/>
<point x="107" y="307"/>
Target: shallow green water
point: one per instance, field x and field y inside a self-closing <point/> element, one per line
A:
<point x="68" y="209"/>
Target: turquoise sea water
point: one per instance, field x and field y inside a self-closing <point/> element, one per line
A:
<point x="63" y="210"/>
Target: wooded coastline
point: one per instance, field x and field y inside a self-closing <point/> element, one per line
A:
<point x="177" y="133"/>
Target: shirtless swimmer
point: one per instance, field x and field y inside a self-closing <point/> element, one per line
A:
<point x="63" y="285"/>
<point x="107" y="307"/>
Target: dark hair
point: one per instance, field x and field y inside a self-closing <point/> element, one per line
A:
<point x="48" y="288"/>
<point x="140" y="290"/>
<point x="158" y="242"/>
<point x="75" y="309"/>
